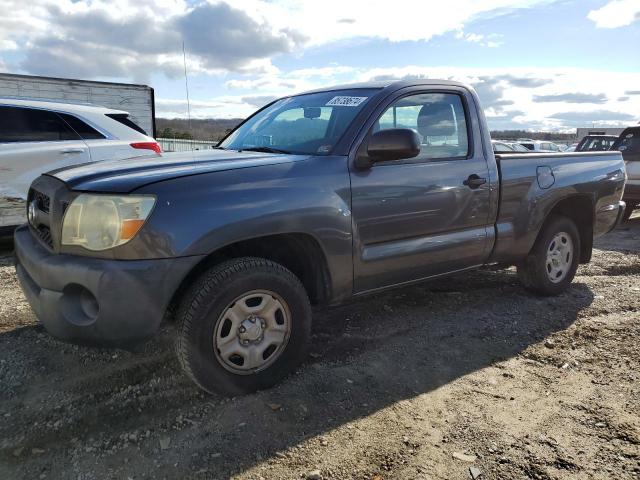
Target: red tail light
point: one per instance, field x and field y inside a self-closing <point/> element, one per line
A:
<point x="147" y="146"/>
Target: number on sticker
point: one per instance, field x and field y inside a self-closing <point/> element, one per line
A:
<point x="345" y="101"/>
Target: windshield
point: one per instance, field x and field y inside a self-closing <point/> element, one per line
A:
<point x="628" y="142"/>
<point x="304" y="124"/>
<point x="519" y="148"/>
<point x="595" y="144"/>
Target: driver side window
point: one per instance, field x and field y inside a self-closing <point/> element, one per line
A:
<point x="438" y="118"/>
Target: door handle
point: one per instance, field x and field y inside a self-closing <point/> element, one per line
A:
<point x="68" y="151"/>
<point x="474" y="181"/>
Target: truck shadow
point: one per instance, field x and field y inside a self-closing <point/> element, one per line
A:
<point x="365" y="356"/>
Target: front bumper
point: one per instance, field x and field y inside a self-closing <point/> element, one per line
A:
<point x="95" y="301"/>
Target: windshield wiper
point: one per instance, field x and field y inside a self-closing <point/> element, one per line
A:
<point x="264" y="150"/>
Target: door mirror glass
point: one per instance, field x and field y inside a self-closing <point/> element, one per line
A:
<point x="393" y="144"/>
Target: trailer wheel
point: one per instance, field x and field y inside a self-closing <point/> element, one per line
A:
<point x="243" y="326"/>
<point x="552" y="262"/>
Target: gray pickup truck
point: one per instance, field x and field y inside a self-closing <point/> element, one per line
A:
<point x="315" y="199"/>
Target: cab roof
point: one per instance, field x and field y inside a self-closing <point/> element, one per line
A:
<point x="391" y="84"/>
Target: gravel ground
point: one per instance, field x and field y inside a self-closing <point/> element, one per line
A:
<point x="447" y="380"/>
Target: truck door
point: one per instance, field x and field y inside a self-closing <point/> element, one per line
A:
<point x="429" y="215"/>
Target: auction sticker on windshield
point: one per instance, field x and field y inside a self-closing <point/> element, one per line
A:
<point x="345" y="101"/>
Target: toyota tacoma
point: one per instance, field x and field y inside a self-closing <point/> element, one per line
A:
<point x="317" y="198"/>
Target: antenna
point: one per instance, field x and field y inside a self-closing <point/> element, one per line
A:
<point x="186" y="87"/>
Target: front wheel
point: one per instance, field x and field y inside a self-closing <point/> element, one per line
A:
<point x="552" y="263"/>
<point x="243" y="326"/>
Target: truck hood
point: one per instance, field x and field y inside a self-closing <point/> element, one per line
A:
<point x="123" y="176"/>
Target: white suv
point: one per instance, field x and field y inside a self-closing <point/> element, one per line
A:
<point x="38" y="136"/>
<point x="539" y="146"/>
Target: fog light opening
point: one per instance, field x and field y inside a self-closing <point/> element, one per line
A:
<point x="79" y="306"/>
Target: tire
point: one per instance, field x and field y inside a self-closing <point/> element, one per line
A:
<point x="546" y="270"/>
<point x="628" y="211"/>
<point x="214" y="312"/>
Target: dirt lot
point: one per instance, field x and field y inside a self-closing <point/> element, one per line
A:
<point x="421" y="383"/>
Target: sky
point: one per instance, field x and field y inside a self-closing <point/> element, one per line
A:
<point x="536" y="64"/>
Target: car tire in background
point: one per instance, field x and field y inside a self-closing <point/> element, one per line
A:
<point x="551" y="265"/>
<point x="628" y="211"/>
<point x="243" y="326"/>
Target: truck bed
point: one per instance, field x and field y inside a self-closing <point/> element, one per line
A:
<point x="524" y="204"/>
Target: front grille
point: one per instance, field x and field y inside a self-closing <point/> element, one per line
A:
<point x="45" y="235"/>
<point x="42" y="201"/>
<point x="47" y="201"/>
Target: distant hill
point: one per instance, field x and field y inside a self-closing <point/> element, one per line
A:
<point x="201" y="129"/>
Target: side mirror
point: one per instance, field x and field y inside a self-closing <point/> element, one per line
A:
<point x="393" y="144"/>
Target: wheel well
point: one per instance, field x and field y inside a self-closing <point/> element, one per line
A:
<point x="300" y="253"/>
<point x="579" y="208"/>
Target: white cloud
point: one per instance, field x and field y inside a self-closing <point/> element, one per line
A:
<point x="489" y="41"/>
<point x="7" y="45"/>
<point x="229" y="106"/>
<point x="506" y="91"/>
<point x="321" y="72"/>
<point x="294" y="81"/>
<point x="331" y="20"/>
<point x="616" y="13"/>
<point x="523" y="98"/>
<point x="177" y="108"/>
<point x="133" y="38"/>
<point x="179" y="103"/>
<point x="471" y="37"/>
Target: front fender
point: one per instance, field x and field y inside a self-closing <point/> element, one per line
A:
<point x="200" y="214"/>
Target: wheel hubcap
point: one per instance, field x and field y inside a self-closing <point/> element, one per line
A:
<point x="251" y="329"/>
<point x="559" y="257"/>
<point x="252" y="332"/>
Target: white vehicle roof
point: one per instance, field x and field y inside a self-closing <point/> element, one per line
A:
<point x="94" y="115"/>
<point x="59" y="106"/>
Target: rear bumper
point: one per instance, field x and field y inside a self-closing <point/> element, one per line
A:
<point x="94" y="301"/>
<point x="608" y="218"/>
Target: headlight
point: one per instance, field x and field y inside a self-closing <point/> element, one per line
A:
<point x="100" y="222"/>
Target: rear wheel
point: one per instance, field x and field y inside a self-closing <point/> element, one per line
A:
<point x="552" y="263"/>
<point x="243" y="326"/>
